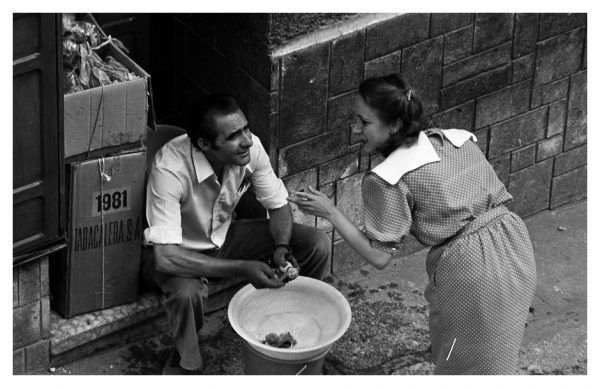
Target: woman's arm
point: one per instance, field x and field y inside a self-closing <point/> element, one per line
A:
<point x="358" y="241"/>
<point x="316" y="203"/>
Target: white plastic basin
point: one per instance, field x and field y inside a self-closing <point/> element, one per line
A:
<point x="315" y="313"/>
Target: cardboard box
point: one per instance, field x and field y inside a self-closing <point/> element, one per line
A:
<point x="101" y="266"/>
<point x="110" y="115"/>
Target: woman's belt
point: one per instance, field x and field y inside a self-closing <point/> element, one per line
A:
<point x="481" y="220"/>
<point x="435" y="253"/>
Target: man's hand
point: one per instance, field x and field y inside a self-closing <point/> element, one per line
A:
<point x="281" y="255"/>
<point x="260" y="275"/>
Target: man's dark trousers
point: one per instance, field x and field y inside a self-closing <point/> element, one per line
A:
<point x="247" y="239"/>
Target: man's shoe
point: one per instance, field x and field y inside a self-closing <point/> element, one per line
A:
<point x="172" y="366"/>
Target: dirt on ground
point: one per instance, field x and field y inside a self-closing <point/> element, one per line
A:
<point x="387" y="335"/>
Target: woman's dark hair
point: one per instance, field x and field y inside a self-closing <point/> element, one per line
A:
<point x="395" y="102"/>
<point x="202" y="113"/>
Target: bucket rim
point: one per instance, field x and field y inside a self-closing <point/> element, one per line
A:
<point x="292" y="353"/>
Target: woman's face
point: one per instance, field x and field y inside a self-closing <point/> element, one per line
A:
<point x="373" y="133"/>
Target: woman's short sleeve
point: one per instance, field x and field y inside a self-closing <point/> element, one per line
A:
<point x="387" y="212"/>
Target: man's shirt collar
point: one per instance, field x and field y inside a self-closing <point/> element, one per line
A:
<point x="201" y="165"/>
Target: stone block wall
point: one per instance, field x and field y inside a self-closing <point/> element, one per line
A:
<point x="31" y="316"/>
<point x="518" y="81"/>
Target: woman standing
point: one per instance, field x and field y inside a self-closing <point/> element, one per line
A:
<point x="437" y="185"/>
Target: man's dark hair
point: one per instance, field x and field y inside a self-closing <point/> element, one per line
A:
<point x="202" y="113"/>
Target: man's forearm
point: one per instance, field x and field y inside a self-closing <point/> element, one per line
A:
<point x="280" y="224"/>
<point x="179" y="261"/>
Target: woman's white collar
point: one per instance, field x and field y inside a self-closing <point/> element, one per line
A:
<point x="404" y="160"/>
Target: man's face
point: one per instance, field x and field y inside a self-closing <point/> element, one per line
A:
<point x="233" y="142"/>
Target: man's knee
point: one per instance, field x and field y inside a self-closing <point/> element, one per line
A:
<point x="321" y="243"/>
<point x="319" y="254"/>
<point x="188" y="290"/>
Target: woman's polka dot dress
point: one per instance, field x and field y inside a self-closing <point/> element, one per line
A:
<point x="481" y="266"/>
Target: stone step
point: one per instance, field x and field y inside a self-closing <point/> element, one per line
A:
<point x="87" y="333"/>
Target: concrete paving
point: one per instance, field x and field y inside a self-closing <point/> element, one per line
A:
<point x="389" y="332"/>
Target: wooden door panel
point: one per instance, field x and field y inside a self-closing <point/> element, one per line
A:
<point x="30" y="228"/>
<point x="26" y="35"/>
<point x="27" y="143"/>
<point x="37" y="152"/>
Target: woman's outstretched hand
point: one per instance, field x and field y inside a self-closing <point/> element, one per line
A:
<point x="313" y="202"/>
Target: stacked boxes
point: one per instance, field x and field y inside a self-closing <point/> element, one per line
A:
<point x="105" y="160"/>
